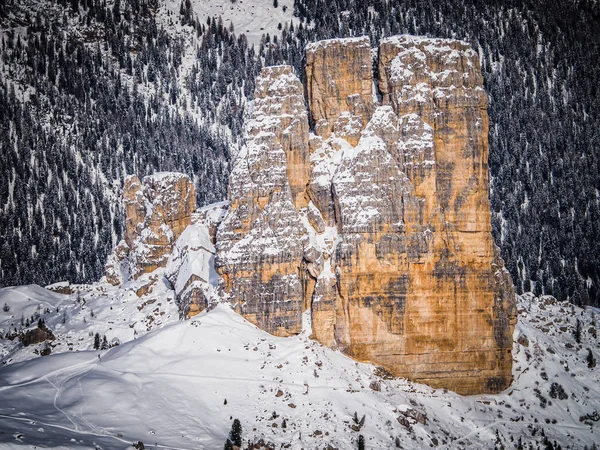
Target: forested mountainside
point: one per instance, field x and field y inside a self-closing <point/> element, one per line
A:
<point x="93" y="90"/>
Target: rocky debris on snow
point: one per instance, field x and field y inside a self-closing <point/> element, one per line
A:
<point x="62" y="287"/>
<point x="36" y="335"/>
<point x="184" y="371"/>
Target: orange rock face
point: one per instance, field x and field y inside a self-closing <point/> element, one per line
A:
<point x="339" y="80"/>
<point x="387" y="238"/>
<point x="157" y="210"/>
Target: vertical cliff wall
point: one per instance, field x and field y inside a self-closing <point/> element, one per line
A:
<point x="379" y="219"/>
<point x="261" y="242"/>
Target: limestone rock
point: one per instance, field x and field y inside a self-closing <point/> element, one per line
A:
<point x="61" y="287"/>
<point x="387" y="237"/>
<point x="339" y="80"/>
<point x="279" y="109"/>
<point x="36" y="335"/>
<point x="157" y="210"/>
<point x="260" y="244"/>
<point x="190" y="268"/>
<point x="116" y="268"/>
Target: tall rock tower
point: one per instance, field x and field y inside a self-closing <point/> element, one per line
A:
<point x="378" y="220"/>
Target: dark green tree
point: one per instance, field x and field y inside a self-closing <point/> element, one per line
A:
<point x="235" y="435"/>
<point x="361" y="442"/>
<point x="591" y="361"/>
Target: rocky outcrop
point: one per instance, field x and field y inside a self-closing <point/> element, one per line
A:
<point x="190" y="268"/>
<point x="261" y="241"/>
<point x="457" y="324"/>
<point x="386" y="235"/>
<point x="116" y="268"/>
<point x="36" y="335"/>
<point x="340" y="95"/>
<point x="378" y="221"/>
<point x="157" y="211"/>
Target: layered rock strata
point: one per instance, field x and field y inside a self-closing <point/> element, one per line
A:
<point x="379" y="221"/>
<point x="261" y="242"/>
<point x="157" y="211"/>
<point x="341" y="94"/>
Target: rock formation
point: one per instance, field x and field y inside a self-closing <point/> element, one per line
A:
<point x="379" y="221"/>
<point x="157" y="211"/>
<point x="261" y="242"/>
<point x="190" y="268"/>
<point x="340" y="94"/>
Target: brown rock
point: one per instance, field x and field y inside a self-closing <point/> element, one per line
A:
<point x="62" y="287"/>
<point x="420" y="288"/>
<point x="417" y="416"/>
<point x="36" y="335"/>
<point x="523" y="340"/>
<point x="339" y="81"/>
<point x="260" y="244"/>
<point x="401" y="269"/>
<point x="146" y="287"/>
<point x="157" y="210"/>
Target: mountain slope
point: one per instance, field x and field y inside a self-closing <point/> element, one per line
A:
<point x="181" y="386"/>
<point x="91" y="92"/>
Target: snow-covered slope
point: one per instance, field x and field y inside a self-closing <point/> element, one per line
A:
<point x="250" y="17"/>
<point x="74" y="319"/>
<point x="180" y="387"/>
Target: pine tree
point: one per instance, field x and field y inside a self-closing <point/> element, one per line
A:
<point x="361" y="442"/>
<point x="577" y="332"/>
<point x="96" y="341"/>
<point x="591" y="361"/>
<point x="235" y="435"/>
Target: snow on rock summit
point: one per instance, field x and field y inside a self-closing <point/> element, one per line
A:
<point x="387" y="237"/>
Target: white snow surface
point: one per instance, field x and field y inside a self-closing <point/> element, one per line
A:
<point x="193" y="255"/>
<point x="117" y="313"/>
<point x="250" y="17"/>
<point x="363" y="41"/>
<point x="168" y="389"/>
